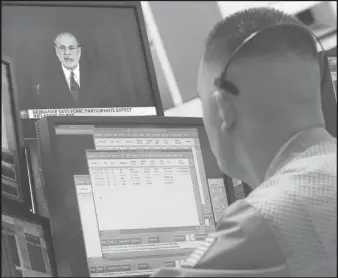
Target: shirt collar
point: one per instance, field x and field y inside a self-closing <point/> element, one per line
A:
<point x="68" y="72"/>
<point x="294" y="146"/>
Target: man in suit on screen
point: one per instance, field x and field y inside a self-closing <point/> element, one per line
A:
<point x="71" y="83"/>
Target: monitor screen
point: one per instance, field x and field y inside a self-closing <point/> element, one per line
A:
<point x="12" y="156"/>
<point x="24" y="249"/>
<point x="80" y="59"/>
<point x="146" y="193"/>
<point x="329" y="94"/>
<point x="333" y="70"/>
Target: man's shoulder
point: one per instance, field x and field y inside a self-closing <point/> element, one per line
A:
<point x="299" y="204"/>
<point x="239" y="234"/>
<point x="301" y="189"/>
<point x="311" y="168"/>
<point x="315" y="170"/>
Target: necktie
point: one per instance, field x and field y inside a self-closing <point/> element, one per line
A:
<point x="74" y="87"/>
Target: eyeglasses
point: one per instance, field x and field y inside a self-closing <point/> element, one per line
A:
<point x="221" y="81"/>
<point x="63" y="49"/>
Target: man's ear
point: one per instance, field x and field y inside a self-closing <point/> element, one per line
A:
<point x="226" y="112"/>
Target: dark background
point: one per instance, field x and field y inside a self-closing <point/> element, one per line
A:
<point x="110" y="40"/>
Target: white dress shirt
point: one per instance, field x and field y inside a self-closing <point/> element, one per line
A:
<point x="67" y="73"/>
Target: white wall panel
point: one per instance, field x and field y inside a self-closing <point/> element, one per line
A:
<point x="192" y="108"/>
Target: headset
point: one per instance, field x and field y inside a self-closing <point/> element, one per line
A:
<point x="221" y="81"/>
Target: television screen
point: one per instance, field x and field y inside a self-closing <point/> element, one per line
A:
<point x="143" y="192"/>
<point x="80" y="59"/>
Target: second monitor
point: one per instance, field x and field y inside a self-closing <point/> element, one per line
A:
<point x="127" y="195"/>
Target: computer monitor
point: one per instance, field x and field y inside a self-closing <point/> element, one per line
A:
<point x="329" y="95"/>
<point x="14" y="177"/>
<point x="333" y="70"/>
<point x="79" y="58"/>
<point x="128" y="195"/>
<point x="26" y="244"/>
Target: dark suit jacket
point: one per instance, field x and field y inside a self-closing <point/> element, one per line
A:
<point x="54" y="92"/>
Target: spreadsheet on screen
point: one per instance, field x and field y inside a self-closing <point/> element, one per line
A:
<point x="147" y="196"/>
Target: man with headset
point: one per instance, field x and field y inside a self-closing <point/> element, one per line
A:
<point x="260" y="87"/>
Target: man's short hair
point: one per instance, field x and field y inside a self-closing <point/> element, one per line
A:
<point x="228" y="34"/>
<point x="69" y="34"/>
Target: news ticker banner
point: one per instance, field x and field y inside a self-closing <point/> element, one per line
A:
<point x="112" y="111"/>
<point x="333" y="70"/>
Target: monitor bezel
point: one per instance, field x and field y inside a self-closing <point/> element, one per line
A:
<point x="47" y="141"/>
<point x="22" y="174"/>
<point x="51" y="121"/>
<point x="112" y="4"/>
<point x="13" y="209"/>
